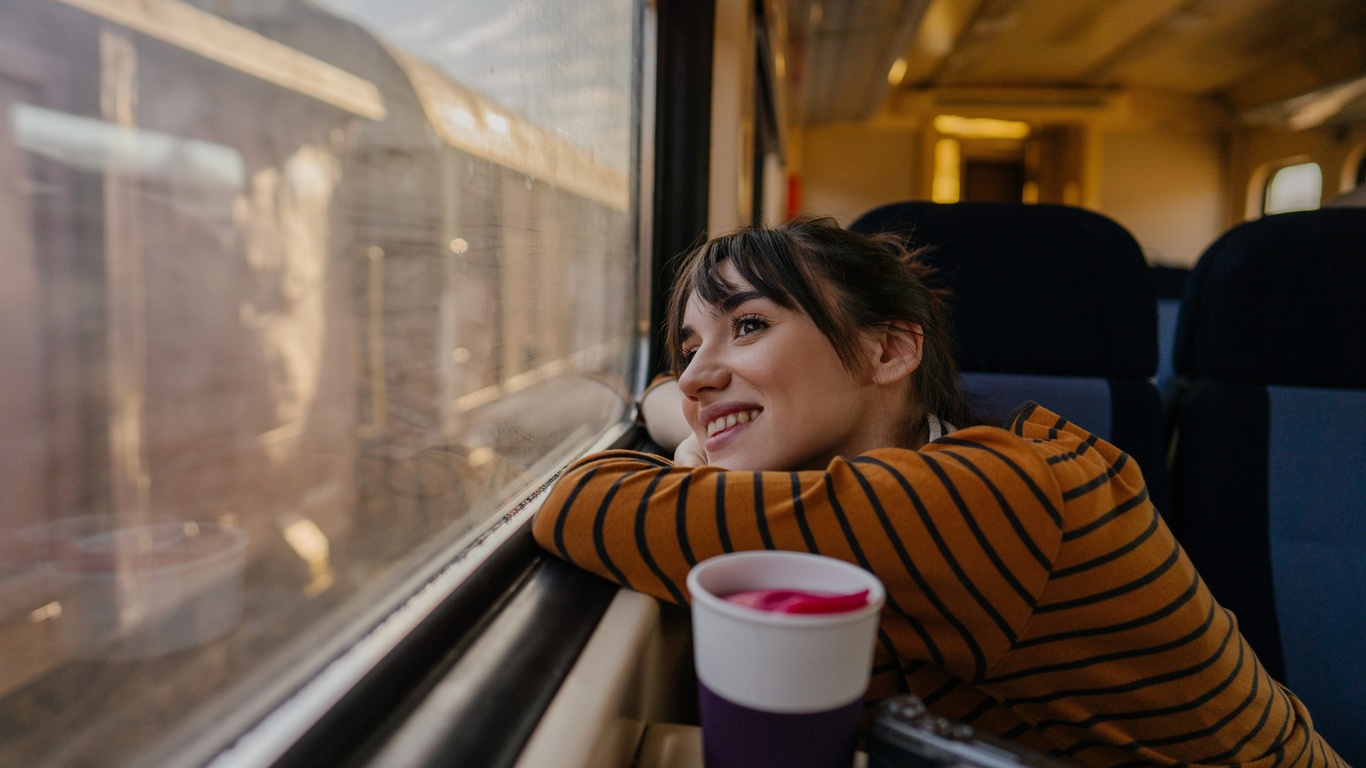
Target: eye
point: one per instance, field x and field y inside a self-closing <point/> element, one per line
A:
<point x="744" y="325"/>
<point x="685" y="356"/>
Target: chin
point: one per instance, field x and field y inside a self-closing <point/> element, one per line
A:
<point x="741" y="463"/>
<point x="754" y="464"/>
<point x="730" y="463"/>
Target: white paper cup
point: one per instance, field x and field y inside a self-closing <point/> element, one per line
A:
<point x="780" y="689"/>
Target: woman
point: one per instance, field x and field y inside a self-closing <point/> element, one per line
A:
<point x="1033" y="590"/>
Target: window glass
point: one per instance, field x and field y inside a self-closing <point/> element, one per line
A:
<point x="1294" y="188"/>
<point x="296" y="295"/>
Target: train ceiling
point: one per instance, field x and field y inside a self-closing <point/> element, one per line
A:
<point x="1294" y="63"/>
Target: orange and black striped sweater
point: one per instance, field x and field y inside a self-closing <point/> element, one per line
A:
<point x="1032" y="589"/>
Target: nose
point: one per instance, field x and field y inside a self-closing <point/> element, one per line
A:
<point x="705" y="371"/>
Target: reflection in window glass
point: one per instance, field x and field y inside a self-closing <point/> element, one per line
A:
<point x="296" y="295"/>
<point x="1294" y="188"/>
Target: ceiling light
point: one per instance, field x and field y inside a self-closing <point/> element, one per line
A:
<point x="897" y="72"/>
<point x="980" y="127"/>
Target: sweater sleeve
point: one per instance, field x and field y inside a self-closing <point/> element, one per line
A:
<point x="961" y="535"/>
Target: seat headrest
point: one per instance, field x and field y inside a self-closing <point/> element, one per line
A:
<point x="1037" y="289"/>
<point x="1280" y="300"/>
<point x="1169" y="282"/>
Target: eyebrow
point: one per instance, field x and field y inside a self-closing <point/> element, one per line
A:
<point x="734" y="300"/>
<point x="728" y="304"/>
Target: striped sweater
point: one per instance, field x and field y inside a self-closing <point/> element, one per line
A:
<point x="1032" y="589"/>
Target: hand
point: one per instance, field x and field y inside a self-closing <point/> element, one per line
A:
<point x="662" y="409"/>
<point x="690" y="453"/>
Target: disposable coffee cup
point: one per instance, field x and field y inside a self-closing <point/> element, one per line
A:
<point x="781" y="689"/>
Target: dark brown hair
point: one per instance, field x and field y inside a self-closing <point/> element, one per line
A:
<point x="846" y="282"/>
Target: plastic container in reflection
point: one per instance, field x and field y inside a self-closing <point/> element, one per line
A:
<point x="28" y="559"/>
<point x="149" y="590"/>
<point x="41" y="542"/>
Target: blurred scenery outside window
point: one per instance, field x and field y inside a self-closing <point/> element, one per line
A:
<point x="297" y="296"/>
<point x="1294" y="188"/>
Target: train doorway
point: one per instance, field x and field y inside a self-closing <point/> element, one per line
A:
<point x="1001" y="180"/>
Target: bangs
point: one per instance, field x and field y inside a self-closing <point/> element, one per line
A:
<point x="772" y="273"/>
<point x="769" y="261"/>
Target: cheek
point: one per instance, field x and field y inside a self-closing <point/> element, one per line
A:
<point x="770" y="369"/>
<point x="690" y="410"/>
<point x="816" y="384"/>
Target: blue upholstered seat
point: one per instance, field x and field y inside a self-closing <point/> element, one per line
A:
<point x="1169" y="283"/>
<point x="1269" y="470"/>
<point x="1050" y="303"/>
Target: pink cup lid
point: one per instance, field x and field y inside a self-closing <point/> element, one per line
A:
<point x="796" y="601"/>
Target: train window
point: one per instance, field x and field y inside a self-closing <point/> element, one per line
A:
<point x="1294" y="188"/>
<point x="296" y="295"/>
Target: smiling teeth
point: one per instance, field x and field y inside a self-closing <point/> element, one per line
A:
<point x="730" y="420"/>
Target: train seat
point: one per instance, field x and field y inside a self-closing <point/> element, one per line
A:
<point x="1050" y="303"/>
<point x="1269" y="464"/>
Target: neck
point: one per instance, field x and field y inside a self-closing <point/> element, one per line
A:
<point x="912" y="430"/>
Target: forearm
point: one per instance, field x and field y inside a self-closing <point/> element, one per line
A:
<point x="643" y="522"/>
<point x="597" y="516"/>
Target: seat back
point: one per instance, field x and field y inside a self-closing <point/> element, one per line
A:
<point x="1049" y="303"/>
<point x="1269" y="465"/>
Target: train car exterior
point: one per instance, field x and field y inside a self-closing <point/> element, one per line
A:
<point x="292" y="313"/>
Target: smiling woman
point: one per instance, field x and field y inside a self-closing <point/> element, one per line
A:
<point x="834" y="340"/>
<point x="1033" y="590"/>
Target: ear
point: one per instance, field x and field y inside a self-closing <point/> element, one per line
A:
<point x="898" y="352"/>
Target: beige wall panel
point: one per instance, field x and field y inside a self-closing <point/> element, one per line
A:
<point x="849" y="169"/>
<point x="1167" y="189"/>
